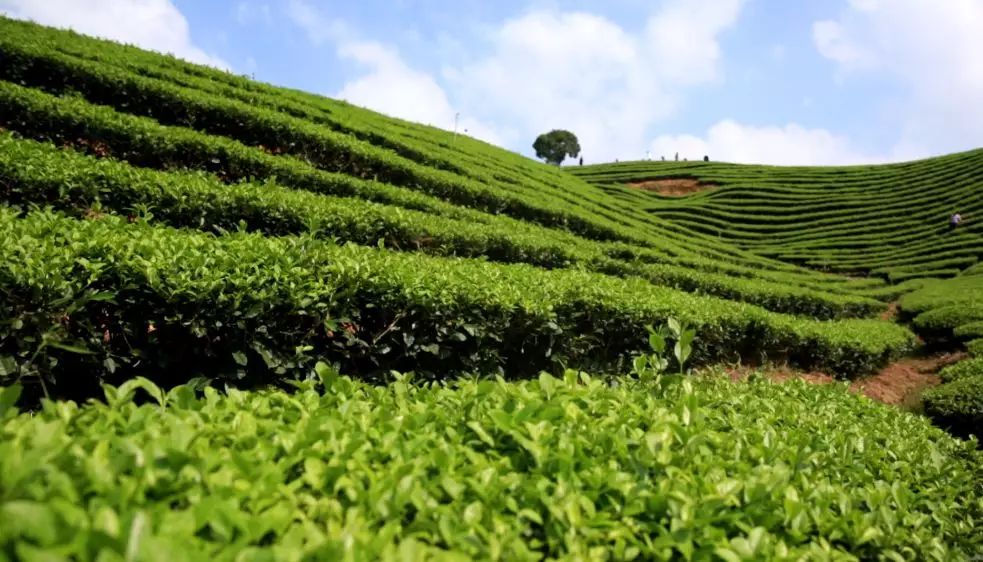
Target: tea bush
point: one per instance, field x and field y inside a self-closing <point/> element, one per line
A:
<point x="958" y="405"/>
<point x="566" y="468"/>
<point x="140" y="298"/>
<point x="36" y="173"/>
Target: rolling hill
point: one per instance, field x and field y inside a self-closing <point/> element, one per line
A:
<point x="888" y="222"/>
<point x="176" y="229"/>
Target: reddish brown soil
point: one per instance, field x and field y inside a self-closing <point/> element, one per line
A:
<point x="891" y="313"/>
<point x="897" y="384"/>
<point x="676" y="187"/>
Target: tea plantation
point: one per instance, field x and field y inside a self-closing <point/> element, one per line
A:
<point x="242" y="322"/>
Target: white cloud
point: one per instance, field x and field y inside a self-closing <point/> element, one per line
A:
<point x="569" y="71"/>
<point x="389" y="85"/>
<point x="682" y="38"/>
<point x="931" y="48"/>
<point x="394" y="88"/>
<point x="150" y="24"/>
<point x="582" y="72"/>
<point x="546" y="69"/>
<point x="831" y="40"/>
<point x="791" y="144"/>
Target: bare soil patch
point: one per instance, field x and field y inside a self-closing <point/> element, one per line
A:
<point x="673" y="187"/>
<point x="891" y="313"/>
<point x="899" y="383"/>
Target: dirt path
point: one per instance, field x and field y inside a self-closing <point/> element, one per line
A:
<point x="676" y="187"/>
<point x="891" y="313"/>
<point x="898" y="384"/>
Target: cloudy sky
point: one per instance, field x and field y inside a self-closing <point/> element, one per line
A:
<point x="773" y="81"/>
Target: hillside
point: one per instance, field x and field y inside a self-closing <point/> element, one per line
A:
<point x="888" y="221"/>
<point x="883" y="221"/>
<point x="177" y="229"/>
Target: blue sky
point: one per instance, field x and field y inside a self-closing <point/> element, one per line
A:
<point x="773" y="81"/>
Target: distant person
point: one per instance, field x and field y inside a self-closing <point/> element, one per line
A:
<point x="581" y="160"/>
<point x="954" y="221"/>
<point x="663" y="158"/>
<point x="677" y="157"/>
<point x="706" y="158"/>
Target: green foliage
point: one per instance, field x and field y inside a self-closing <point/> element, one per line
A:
<point x="180" y="227"/>
<point x="946" y="312"/>
<point x="555" y="468"/>
<point x="245" y="306"/>
<point x="648" y="365"/>
<point x="556" y="145"/>
<point x="975" y="347"/>
<point x="971" y="330"/>
<point x="958" y="405"/>
<point x="961" y="370"/>
<point x="275" y="132"/>
<point x="887" y="220"/>
<point x="37" y="174"/>
<point x="940" y="322"/>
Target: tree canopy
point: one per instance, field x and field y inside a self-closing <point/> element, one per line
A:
<point x="556" y="145"/>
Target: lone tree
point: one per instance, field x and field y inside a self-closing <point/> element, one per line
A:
<point x="556" y="145"/>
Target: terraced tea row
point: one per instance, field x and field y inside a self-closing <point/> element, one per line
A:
<point x="152" y="299"/>
<point x="946" y="312"/>
<point x="888" y="220"/>
<point x="40" y="174"/>
<point x="146" y="143"/>
<point x="315" y="161"/>
<point x="165" y="220"/>
<point x="34" y="59"/>
<point x="171" y="104"/>
<point x="885" y="220"/>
